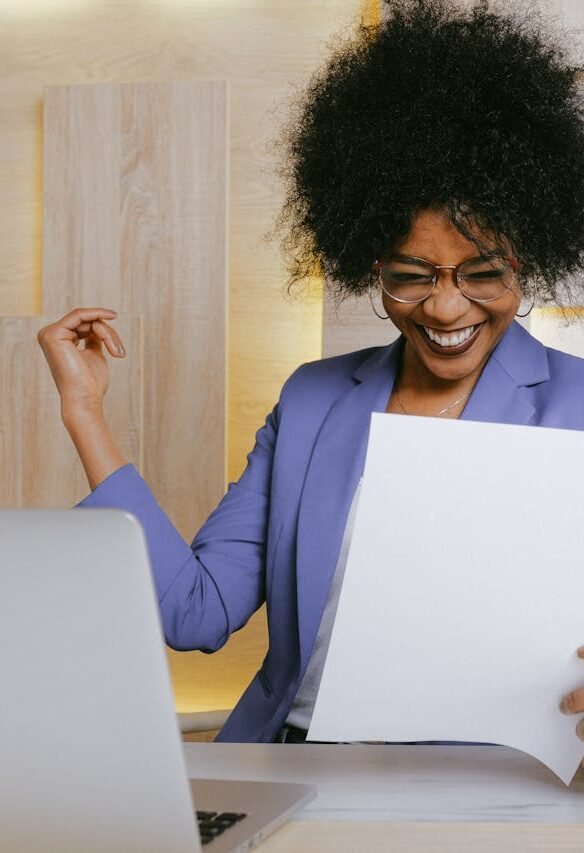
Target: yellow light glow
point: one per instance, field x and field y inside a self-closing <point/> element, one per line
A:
<point x="371" y="12"/>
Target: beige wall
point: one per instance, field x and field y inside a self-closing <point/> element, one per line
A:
<point x="264" y="50"/>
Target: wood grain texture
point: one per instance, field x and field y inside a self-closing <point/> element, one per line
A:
<point x="82" y="198"/>
<point x="135" y="219"/>
<point x="39" y="464"/>
<point x="135" y="216"/>
<point x="266" y="51"/>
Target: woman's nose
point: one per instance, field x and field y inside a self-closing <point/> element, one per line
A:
<point x="446" y="303"/>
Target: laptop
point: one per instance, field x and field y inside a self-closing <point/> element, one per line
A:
<point x="90" y="750"/>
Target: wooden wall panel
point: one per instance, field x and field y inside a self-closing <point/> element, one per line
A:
<point x="82" y="198"/>
<point x="135" y="219"/>
<point x="266" y="51"/>
<point x="39" y="465"/>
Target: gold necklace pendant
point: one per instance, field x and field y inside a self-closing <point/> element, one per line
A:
<point x="435" y="414"/>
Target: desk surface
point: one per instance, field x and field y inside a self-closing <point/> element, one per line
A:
<point x="409" y="798"/>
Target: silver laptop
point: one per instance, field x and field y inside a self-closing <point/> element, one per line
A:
<point x="90" y="752"/>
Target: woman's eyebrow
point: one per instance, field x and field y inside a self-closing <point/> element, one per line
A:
<point x="410" y="258"/>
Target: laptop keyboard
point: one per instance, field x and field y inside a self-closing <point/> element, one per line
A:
<point x="212" y="824"/>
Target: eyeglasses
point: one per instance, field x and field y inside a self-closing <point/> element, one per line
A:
<point x="481" y="279"/>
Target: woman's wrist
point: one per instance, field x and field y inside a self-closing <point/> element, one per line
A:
<point x="77" y="417"/>
<point x="95" y="444"/>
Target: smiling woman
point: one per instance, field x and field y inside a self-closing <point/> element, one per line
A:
<point x="469" y="153"/>
<point x="452" y="326"/>
<point x="437" y="162"/>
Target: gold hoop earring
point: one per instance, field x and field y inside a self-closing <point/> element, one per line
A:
<point x="375" y="311"/>
<point x="530" y="309"/>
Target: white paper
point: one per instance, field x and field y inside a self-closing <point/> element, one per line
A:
<point x="462" y="604"/>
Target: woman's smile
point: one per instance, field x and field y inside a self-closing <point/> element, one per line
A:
<point x="451" y="342"/>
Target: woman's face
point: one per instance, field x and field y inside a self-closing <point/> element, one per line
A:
<point x="447" y="311"/>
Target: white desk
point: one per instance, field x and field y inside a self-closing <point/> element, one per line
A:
<point x="409" y="798"/>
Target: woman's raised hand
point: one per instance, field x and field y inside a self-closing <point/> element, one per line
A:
<point x="74" y="348"/>
<point x="81" y="372"/>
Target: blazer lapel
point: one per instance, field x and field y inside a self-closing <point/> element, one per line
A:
<point x="502" y="393"/>
<point x="335" y="469"/>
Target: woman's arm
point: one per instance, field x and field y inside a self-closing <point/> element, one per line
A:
<point x="96" y="446"/>
<point x="206" y="590"/>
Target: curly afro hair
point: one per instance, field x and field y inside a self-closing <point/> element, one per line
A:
<point x="470" y="110"/>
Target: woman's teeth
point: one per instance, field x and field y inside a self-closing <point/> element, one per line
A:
<point x="450" y="339"/>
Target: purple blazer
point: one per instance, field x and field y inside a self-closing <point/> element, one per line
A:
<point x="276" y="534"/>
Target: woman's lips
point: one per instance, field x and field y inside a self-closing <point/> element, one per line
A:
<point x="444" y="343"/>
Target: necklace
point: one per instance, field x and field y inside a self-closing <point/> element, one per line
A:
<point x="436" y="414"/>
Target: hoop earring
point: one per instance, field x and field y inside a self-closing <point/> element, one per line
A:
<point x="375" y="311"/>
<point x="530" y="309"/>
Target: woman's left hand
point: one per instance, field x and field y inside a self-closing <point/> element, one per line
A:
<point x="573" y="703"/>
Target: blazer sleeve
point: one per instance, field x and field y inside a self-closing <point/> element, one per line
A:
<point x="212" y="587"/>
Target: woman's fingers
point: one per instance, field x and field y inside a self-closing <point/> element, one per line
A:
<point x="80" y="316"/>
<point x="573" y="703"/>
<point x="87" y="324"/>
<point x="99" y="332"/>
<point x="81" y="373"/>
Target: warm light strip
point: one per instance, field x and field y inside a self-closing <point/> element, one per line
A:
<point x="372" y="12"/>
<point x="559" y="311"/>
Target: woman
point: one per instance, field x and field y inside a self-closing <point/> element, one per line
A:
<point x="438" y="163"/>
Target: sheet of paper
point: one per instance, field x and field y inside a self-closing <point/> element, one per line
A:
<point x="462" y="604"/>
